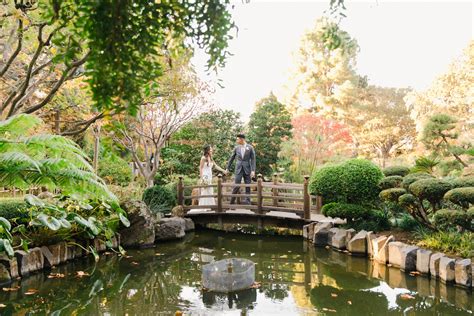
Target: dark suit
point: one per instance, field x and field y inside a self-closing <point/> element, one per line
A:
<point x="243" y="167"/>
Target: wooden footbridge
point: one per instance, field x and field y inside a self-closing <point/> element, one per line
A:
<point x="272" y="203"/>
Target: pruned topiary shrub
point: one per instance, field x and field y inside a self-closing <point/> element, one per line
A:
<point x="392" y="194"/>
<point x="463" y="182"/>
<point x="461" y="196"/>
<point x="159" y="199"/>
<point x="446" y="219"/>
<point x="354" y="181"/>
<point x="432" y="190"/>
<point x="328" y="182"/>
<point x="396" y="171"/>
<point x="390" y="182"/>
<point x="357" y="216"/>
<point x="412" y="177"/>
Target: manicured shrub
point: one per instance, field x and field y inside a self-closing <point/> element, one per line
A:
<point x="392" y="195"/>
<point x="390" y="182"/>
<point x="396" y="171"/>
<point x="329" y="183"/>
<point x="159" y="198"/>
<point x="462" y="182"/>
<point x="412" y="177"/>
<point x="357" y="216"/>
<point x="407" y="200"/>
<point x="461" y="196"/>
<point x="11" y="208"/>
<point x="448" y="219"/>
<point x="432" y="190"/>
<point x="354" y="181"/>
<point x="115" y="170"/>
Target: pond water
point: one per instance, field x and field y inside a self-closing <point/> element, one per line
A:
<point x="296" y="279"/>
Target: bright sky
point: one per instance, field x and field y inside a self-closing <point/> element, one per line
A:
<point x="402" y="43"/>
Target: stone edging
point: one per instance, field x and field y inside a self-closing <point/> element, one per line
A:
<point x="384" y="249"/>
<point x="38" y="258"/>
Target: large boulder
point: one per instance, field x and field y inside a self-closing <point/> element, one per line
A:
<point x="402" y="256"/>
<point x="189" y="224"/>
<point x="30" y="261"/>
<point x="463" y="272"/>
<point x="423" y="257"/>
<point x="11" y="264"/>
<point x="5" y="276"/>
<point x="141" y="232"/>
<point x="170" y="228"/>
<point x="337" y="238"/>
<point x="358" y="243"/>
<point x="321" y="234"/>
<point x="308" y="230"/>
<point x="446" y="269"/>
<point x="380" y="248"/>
<point x="434" y="264"/>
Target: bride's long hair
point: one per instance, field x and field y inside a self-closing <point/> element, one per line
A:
<point x="207" y="153"/>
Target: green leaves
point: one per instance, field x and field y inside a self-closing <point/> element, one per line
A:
<point x="49" y="221"/>
<point x="5" y="245"/>
<point x="124" y="220"/>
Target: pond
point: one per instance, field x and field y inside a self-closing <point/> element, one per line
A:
<point x="295" y="278"/>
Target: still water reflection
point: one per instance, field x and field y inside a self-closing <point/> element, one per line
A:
<point x="296" y="279"/>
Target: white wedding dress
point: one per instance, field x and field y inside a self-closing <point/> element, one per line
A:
<point x="207" y="179"/>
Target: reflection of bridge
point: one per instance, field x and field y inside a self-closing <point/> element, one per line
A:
<point x="272" y="203"/>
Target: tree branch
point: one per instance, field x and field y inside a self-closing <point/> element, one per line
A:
<point x="17" y="50"/>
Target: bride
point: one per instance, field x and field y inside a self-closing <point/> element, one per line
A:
<point x="205" y="172"/>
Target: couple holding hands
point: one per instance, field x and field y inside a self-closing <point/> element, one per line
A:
<point x="245" y="166"/>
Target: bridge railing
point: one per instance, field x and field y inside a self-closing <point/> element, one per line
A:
<point x="264" y="197"/>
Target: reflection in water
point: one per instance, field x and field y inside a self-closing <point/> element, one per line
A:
<point x="296" y="279"/>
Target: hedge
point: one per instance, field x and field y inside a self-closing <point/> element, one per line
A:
<point x="461" y="196"/>
<point x="390" y="182"/>
<point x="396" y="171"/>
<point x="13" y="208"/>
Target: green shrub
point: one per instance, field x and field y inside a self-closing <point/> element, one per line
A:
<point x="357" y="216"/>
<point x="159" y="198"/>
<point x="462" y="182"/>
<point x="354" y="181"/>
<point x="448" y="219"/>
<point x="412" y="177"/>
<point x="115" y="170"/>
<point x="461" y="196"/>
<point x="392" y="195"/>
<point x="396" y="171"/>
<point x="390" y="182"/>
<point x="408" y="223"/>
<point x="328" y="182"/>
<point x="407" y="200"/>
<point x="13" y="208"/>
<point x="432" y="190"/>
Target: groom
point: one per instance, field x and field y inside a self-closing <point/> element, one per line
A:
<point x="244" y="167"/>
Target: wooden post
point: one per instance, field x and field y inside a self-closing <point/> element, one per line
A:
<point x="306" y="197"/>
<point x="259" y="194"/>
<point x="219" y="193"/>
<point x="319" y="204"/>
<point x="275" y="190"/>
<point x="180" y="191"/>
